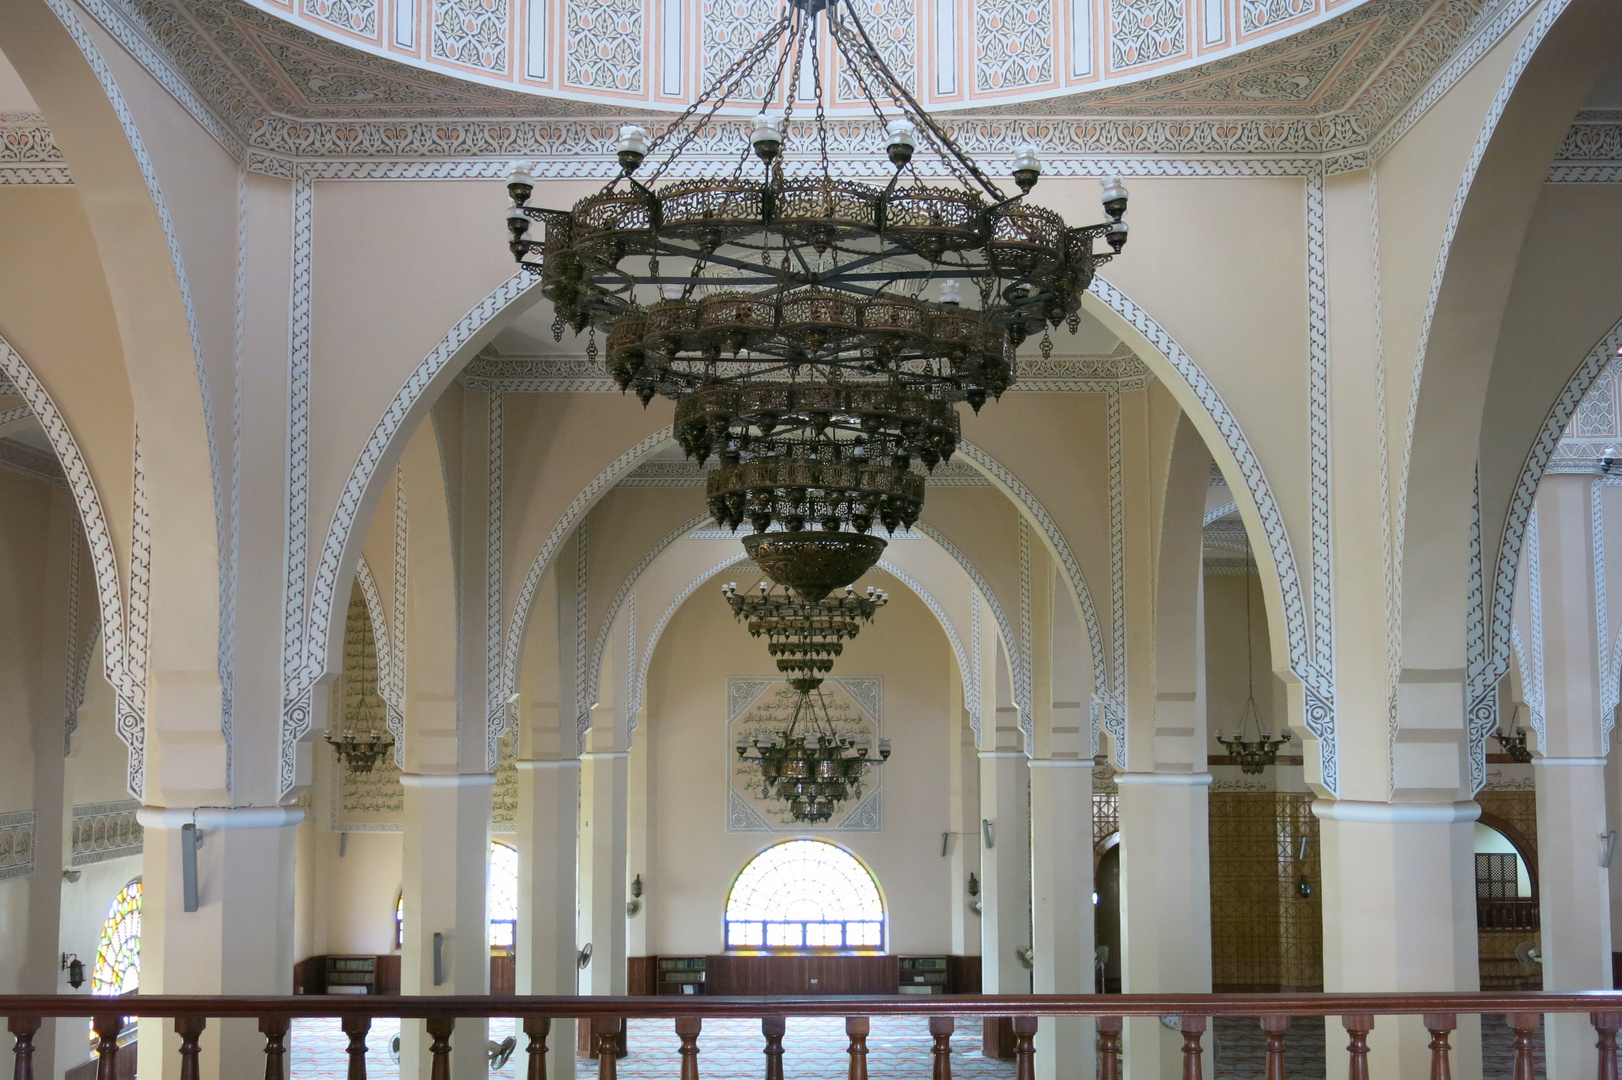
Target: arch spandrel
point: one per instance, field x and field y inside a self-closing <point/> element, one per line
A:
<point x="1463" y="492"/>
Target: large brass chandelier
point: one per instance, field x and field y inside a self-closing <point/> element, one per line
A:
<point x="804" y="637"/>
<point x="816" y="332"/>
<point x="810" y="766"/>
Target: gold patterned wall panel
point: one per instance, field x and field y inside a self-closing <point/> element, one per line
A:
<point x="1300" y="918"/>
<point x="1244" y="891"/>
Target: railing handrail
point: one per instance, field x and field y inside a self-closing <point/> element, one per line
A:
<point x="719" y="1006"/>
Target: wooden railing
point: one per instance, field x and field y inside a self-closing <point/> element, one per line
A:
<point x="1274" y="1012"/>
<point x="1517" y="913"/>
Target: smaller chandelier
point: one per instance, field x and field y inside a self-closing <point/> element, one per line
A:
<point x="809" y="765"/>
<point x="805" y="637"/>
<point x="1513" y="742"/>
<point x="361" y="750"/>
<point x="1253" y="755"/>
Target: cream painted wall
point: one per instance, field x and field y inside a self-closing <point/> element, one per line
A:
<point x="692" y="860"/>
<point x="1225" y="683"/>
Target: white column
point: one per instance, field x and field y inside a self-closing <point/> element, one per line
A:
<point x="238" y="941"/>
<point x="446" y="874"/>
<point x="1062" y="907"/>
<point x="1399" y="915"/>
<point x="603" y="851"/>
<point x="1165" y="905"/>
<point x="548" y="794"/>
<point x="1573" y="885"/>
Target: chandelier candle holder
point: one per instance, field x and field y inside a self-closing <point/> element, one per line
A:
<point x="815" y="331"/>
<point x="804" y="637"/>
<point x="809" y="765"/>
<point x="361" y="750"/>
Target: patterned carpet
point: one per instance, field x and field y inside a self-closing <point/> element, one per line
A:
<point x="814" y="1049"/>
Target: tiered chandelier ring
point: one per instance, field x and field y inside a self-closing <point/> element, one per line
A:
<point x="816" y="332"/>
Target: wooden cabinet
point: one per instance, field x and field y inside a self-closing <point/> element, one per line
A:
<point x="923" y="974"/>
<point x="681" y="974"/>
<point x="351" y="974"/>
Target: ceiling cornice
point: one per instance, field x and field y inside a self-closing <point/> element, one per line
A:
<point x="1323" y="99"/>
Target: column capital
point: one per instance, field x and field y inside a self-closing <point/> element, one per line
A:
<point x="538" y="764"/>
<point x="1158" y="779"/>
<point x="1059" y="763"/>
<point x="1570" y="762"/>
<point x="219" y="817"/>
<point x="447" y="780"/>
<point x="1380" y="813"/>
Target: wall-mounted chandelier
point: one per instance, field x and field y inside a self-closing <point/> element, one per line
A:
<point x="805" y="637"/>
<point x="809" y="765"/>
<point x="815" y="331"/>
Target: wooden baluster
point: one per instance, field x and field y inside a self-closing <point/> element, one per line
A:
<point x="274" y="1029"/>
<point x="1275" y="1026"/>
<point x="605" y="1043"/>
<point x="1193" y="1027"/>
<point x="1109" y="1048"/>
<point x="941" y="1027"/>
<point x="857" y="1028"/>
<point x="23" y="1027"/>
<point x="107" y="1029"/>
<point x="356" y="1028"/>
<point x="1605" y="1024"/>
<point x="439" y="1029"/>
<point x="190" y="1029"/>
<point x="1024" y="1048"/>
<point x="1439" y="1024"/>
<point x="773" y="1027"/>
<point x="1525" y="1026"/>
<point x="687" y="1029"/>
<point x="537" y="1028"/>
<point x="1358" y="1026"/>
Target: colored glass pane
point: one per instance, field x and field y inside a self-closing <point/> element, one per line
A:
<point x="118" y="956"/>
<point x="805" y="894"/>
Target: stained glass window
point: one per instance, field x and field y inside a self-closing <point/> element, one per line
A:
<point x="502" y="899"/>
<point x="118" y="956"/>
<point x="805" y="894"/>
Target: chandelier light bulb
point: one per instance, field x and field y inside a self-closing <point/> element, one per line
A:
<point x="1114" y="197"/>
<point x="632" y="146"/>
<point x="1027" y="166"/>
<point x="767" y="137"/>
<point x="950" y="294"/>
<point x="903" y="139"/>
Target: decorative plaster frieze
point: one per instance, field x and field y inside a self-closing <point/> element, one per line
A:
<point x="23" y="460"/>
<point x="17" y="844"/>
<point x="271" y="92"/>
<point x="103" y="831"/>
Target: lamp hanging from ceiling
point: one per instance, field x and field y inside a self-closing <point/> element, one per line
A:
<point x="805" y="637"/>
<point x="1252" y="754"/>
<point x="361" y="750"/>
<point x="815" y="331"/>
<point x="809" y="765"/>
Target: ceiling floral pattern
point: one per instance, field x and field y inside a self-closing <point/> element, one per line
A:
<point x="278" y="84"/>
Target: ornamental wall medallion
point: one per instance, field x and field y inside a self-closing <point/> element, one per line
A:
<point x="758" y="707"/>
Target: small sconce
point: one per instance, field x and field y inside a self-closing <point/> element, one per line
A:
<point x="634" y="908"/>
<point x="75" y="969"/>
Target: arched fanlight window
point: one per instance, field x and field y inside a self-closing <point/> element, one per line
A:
<point x="502" y="899"/>
<point x="805" y="894"/>
<point x="118" y="955"/>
